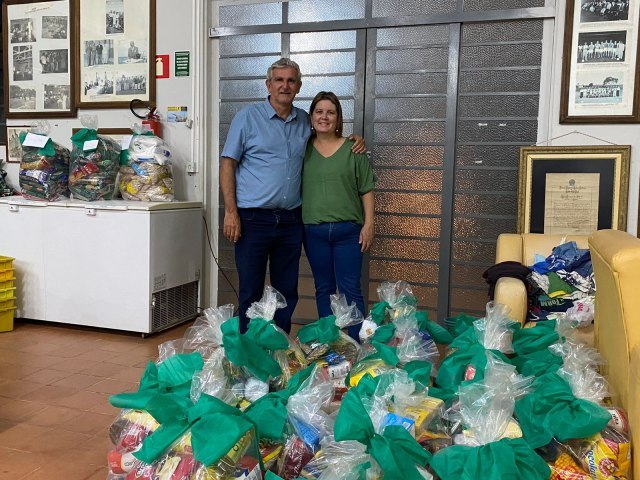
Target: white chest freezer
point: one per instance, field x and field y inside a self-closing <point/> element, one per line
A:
<point x="114" y="264"/>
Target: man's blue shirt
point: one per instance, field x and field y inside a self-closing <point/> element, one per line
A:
<point x="270" y="153"/>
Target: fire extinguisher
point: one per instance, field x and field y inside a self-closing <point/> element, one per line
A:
<point x="150" y="118"/>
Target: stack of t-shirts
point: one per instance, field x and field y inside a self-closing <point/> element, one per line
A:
<point x="561" y="281"/>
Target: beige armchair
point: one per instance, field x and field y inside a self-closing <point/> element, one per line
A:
<point x="523" y="248"/>
<point x="616" y="266"/>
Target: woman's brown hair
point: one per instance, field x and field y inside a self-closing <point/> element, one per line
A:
<point x="333" y="99"/>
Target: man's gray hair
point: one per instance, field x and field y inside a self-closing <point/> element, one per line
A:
<point x="284" y="63"/>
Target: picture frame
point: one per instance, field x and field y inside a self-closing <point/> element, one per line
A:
<point x="573" y="189"/>
<point x="114" y="52"/>
<point x="38" y="61"/>
<point x="14" y="148"/>
<point x="600" y="67"/>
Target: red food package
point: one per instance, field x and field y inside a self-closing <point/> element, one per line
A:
<point x="295" y="456"/>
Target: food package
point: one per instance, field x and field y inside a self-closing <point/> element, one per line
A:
<point x="148" y="175"/>
<point x="336" y="460"/>
<point x="486" y="408"/>
<point x="95" y="163"/>
<point x="395" y="297"/>
<point x="605" y="455"/>
<point x="241" y="462"/>
<point x="307" y="409"/>
<point x="44" y="171"/>
<point x="565" y="467"/>
<point x="365" y="417"/>
<point x="295" y="455"/>
<point x="177" y="464"/>
<point x="291" y="360"/>
<point x="127" y="432"/>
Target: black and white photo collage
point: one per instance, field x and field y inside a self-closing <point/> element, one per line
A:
<point x="604" y="56"/>
<point x="114" y="63"/>
<point x="39" y="54"/>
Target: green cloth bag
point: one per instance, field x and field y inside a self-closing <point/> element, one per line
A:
<point x="269" y="413"/>
<point x="396" y="451"/>
<point x="253" y="349"/>
<point x="378" y="312"/>
<point x="384" y="333"/>
<point x="540" y="337"/>
<point x="537" y="363"/>
<point x="172" y="376"/>
<point x="84" y="135"/>
<point x="460" y="323"/>
<point x="552" y="410"/>
<point x="506" y="459"/>
<point x="439" y="334"/>
<point x="177" y="415"/>
<point x="48" y="150"/>
<point x="323" y="330"/>
<point x="453" y="368"/>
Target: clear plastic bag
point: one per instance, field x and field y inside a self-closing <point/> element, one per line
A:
<point x="398" y="297"/>
<point x="44" y="172"/>
<point x="579" y="370"/>
<point x="95" y="163"/>
<point x="148" y="175"/>
<point x="486" y="408"/>
<point x="336" y="461"/>
<point x="291" y="360"/>
<point x="242" y="462"/>
<point x="206" y="333"/>
<point x="306" y="409"/>
<point x="127" y="432"/>
<point x="213" y="381"/>
<point x="417" y="345"/>
<point x="337" y="356"/>
<point x="495" y="330"/>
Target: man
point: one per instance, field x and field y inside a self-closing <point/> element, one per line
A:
<point x="260" y="173"/>
<point x="133" y="51"/>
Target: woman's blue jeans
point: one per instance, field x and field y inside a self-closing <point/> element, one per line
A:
<point x="336" y="262"/>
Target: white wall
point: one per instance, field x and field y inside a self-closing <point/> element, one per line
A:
<point x="550" y="127"/>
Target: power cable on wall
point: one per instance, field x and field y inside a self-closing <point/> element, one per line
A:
<point x="215" y="259"/>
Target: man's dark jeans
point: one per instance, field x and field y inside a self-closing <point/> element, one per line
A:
<point x="274" y="236"/>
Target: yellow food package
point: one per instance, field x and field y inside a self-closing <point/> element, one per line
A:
<point x="608" y="456"/>
<point x="423" y="413"/>
<point x="566" y="468"/>
<point x="373" y="367"/>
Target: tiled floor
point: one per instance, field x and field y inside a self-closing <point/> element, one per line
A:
<point x="54" y="385"/>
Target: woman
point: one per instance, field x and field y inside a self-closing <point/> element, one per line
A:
<point x="337" y="207"/>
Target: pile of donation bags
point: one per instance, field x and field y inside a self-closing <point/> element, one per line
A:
<point x="97" y="168"/>
<point x="504" y="403"/>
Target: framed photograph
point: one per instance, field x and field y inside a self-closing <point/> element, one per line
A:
<point x="573" y="190"/>
<point x="600" y="68"/>
<point x="38" y="67"/>
<point x="116" y="39"/>
<point x="14" y="148"/>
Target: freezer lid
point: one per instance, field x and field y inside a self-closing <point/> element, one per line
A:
<point x="102" y="205"/>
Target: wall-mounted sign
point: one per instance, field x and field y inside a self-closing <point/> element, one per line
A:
<point x="162" y="66"/>
<point x="182" y="63"/>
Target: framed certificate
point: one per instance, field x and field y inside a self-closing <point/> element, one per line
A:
<point x="573" y="190"/>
